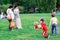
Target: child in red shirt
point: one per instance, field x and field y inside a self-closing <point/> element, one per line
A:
<point x="43" y="27"/>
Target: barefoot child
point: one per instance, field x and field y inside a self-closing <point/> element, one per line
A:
<point x="43" y="27"/>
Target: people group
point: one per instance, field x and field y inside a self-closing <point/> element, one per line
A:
<point x="13" y="17"/>
<point x="53" y="23"/>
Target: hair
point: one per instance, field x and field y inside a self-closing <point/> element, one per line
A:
<point x="42" y="20"/>
<point x="15" y="6"/>
<point x="53" y="15"/>
<point x="53" y="10"/>
<point x="10" y="6"/>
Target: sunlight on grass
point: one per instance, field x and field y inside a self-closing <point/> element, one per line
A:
<point x="28" y="32"/>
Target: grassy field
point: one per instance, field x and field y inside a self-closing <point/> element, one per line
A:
<point x="28" y="32"/>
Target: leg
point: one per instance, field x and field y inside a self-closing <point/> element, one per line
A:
<point x="9" y="24"/>
<point x="53" y="29"/>
<point x="45" y="34"/>
<point x="18" y="23"/>
<point x="56" y="32"/>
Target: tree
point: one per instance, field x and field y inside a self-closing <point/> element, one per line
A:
<point x="42" y="5"/>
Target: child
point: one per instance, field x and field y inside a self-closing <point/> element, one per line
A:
<point x="43" y="27"/>
<point x="54" y="22"/>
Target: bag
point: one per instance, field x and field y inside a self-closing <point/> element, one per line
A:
<point x="9" y="18"/>
<point x="12" y="24"/>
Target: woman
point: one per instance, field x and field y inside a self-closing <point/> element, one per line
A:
<point x="17" y="17"/>
<point x="10" y="17"/>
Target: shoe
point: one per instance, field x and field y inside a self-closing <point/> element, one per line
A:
<point x="48" y="36"/>
<point x="12" y="30"/>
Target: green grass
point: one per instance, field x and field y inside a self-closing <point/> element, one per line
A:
<point x="28" y="32"/>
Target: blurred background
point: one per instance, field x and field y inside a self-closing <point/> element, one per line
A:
<point x="32" y="6"/>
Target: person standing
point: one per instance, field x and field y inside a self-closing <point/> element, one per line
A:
<point x="17" y="17"/>
<point x="10" y="17"/>
<point x="54" y="24"/>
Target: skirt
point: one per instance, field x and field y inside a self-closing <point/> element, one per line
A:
<point x="18" y="23"/>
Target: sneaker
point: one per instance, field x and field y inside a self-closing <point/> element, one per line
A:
<point x="12" y="30"/>
<point x="48" y="36"/>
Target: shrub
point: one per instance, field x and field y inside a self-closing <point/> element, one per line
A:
<point x="21" y="8"/>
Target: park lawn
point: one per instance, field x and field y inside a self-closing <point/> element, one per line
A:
<point x="27" y="32"/>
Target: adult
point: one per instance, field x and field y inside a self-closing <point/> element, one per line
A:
<point x="17" y="17"/>
<point x="10" y="17"/>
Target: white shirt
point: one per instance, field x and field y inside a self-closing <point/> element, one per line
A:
<point x="54" y="20"/>
<point x="10" y="13"/>
<point x="16" y="12"/>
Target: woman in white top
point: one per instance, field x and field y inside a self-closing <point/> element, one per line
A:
<point x="10" y="16"/>
<point x="17" y="17"/>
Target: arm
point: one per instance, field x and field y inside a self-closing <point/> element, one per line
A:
<point x="50" y="24"/>
<point x="57" y="21"/>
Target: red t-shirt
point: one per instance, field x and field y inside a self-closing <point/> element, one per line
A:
<point x="43" y="24"/>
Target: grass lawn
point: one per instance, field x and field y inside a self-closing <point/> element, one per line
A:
<point x="28" y="32"/>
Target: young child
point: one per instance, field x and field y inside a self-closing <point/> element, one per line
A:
<point x="54" y="22"/>
<point x="43" y="27"/>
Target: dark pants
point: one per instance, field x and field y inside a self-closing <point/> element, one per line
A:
<point x="9" y="24"/>
<point x="54" y="29"/>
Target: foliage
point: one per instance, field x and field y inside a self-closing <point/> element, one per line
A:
<point x="46" y="5"/>
<point x="58" y="4"/>
<point x="42" y="5"/>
